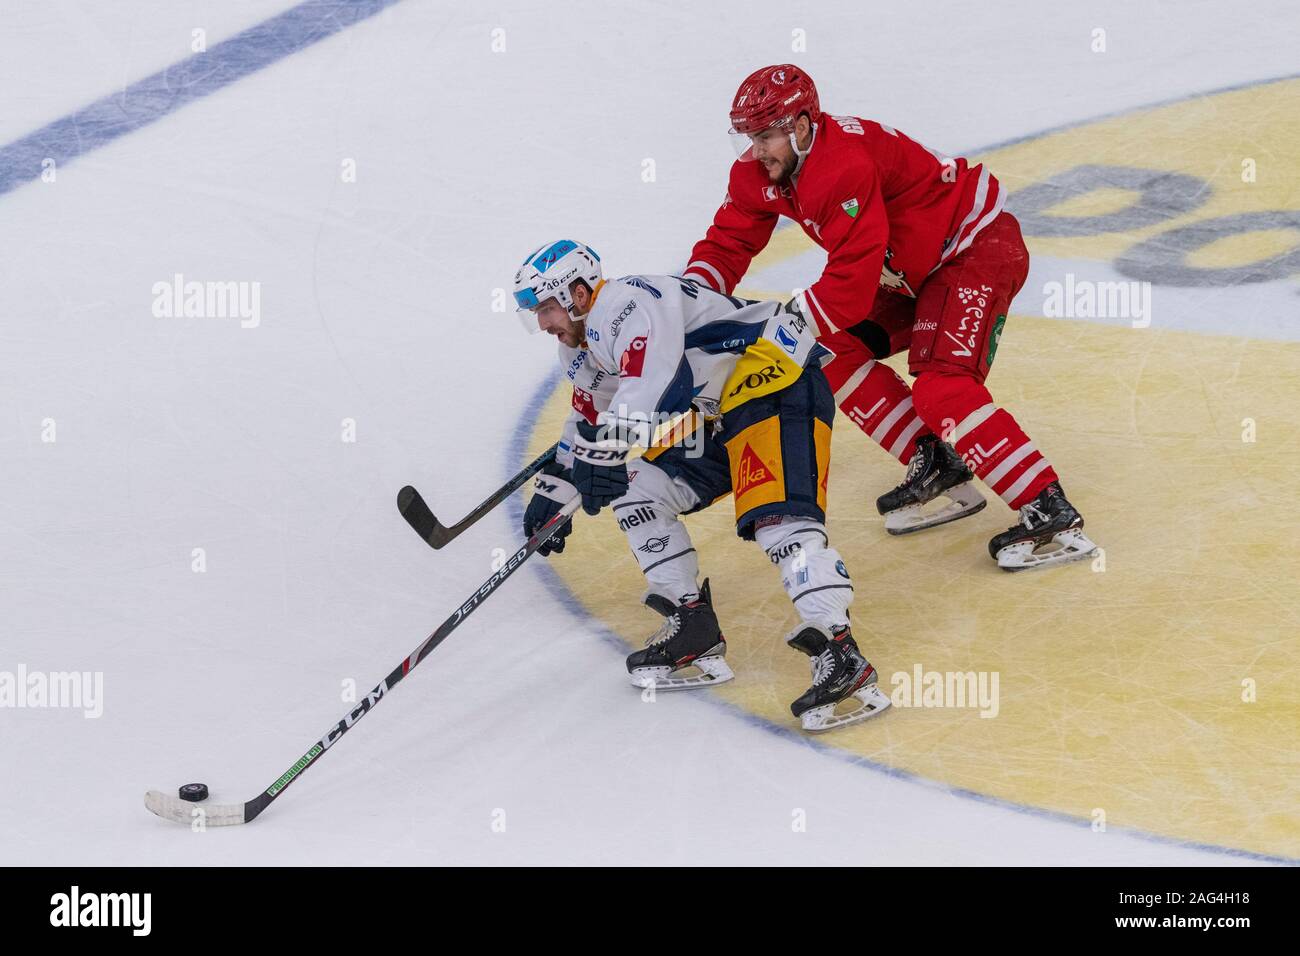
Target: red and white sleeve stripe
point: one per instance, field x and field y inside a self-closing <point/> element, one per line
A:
<point x="703" y="270"/>
<point x="812" y="311"/>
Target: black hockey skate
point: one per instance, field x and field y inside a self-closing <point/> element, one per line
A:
<point x="689" y="638"/>
<point x="935" y="470"/>
<point x="840" y="672"/>
<point x="1050" y="532"/>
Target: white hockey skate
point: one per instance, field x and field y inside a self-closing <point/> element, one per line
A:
<point x="1050" y="532"/>
<point x="962" y="500"/>
<point x="936" y="489"/>
<point x="840" y="675"/>
<point x="689" y="641"/>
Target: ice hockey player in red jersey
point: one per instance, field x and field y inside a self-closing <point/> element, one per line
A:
<point x="921" y="256"/>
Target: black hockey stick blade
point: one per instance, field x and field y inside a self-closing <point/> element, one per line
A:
<point x="437" y="535"/>
<point x="421" y="519"/>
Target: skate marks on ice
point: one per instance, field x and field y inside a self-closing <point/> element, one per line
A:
<point x="1152" y="688"/>
<point x="1120" y="682"/>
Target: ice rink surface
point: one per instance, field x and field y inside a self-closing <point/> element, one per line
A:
<point x="202" y="509"/>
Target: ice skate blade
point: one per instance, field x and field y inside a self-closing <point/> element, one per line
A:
<point x="963" y="500"/>
<point x="873" y="702"/>
<point x="1064" y="547"/>
<point x="713" y="670"/>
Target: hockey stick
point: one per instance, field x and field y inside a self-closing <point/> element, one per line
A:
<point x="171" y="807"/>
<point x="437" y="535"/>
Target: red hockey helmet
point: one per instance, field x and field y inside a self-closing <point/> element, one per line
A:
<point x="772" y="96"/>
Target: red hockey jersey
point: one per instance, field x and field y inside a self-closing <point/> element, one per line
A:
<point x="887" y="210"/>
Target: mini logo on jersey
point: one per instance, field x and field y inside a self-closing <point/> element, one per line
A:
<point x="629" y="366"/>
<point x="654" y="545"/>
<point x="851" y="207"/>
<point x="786" y="340"/>
<point x="751" y="473"/>
<point x="770" y="193"/>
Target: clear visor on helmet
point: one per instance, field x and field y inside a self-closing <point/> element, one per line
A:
<point x="526" y="311"/>
<point x="747" y="145"/>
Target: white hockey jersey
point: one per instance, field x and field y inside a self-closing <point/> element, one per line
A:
<point x="660" y="345"/>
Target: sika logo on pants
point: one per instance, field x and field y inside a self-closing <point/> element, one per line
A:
<point x="757" y="471"/>
<point x="751" y="472"/>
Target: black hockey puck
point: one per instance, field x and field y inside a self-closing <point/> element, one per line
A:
<point x="194" y="792"/>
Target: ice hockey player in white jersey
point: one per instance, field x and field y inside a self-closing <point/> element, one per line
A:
<point x="645" y="350"/>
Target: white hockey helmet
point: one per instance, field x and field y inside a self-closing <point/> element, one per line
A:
<point x="549" y="270"/>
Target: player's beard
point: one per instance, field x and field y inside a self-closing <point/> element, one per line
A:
<point x="782" y="170"/>
<point x="576" y="335"/>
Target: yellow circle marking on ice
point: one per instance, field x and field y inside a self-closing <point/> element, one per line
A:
<point x="1156" y="688"/>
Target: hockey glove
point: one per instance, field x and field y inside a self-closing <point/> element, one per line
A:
<point x="599" y="467"/>
<point x="552" y="490"/>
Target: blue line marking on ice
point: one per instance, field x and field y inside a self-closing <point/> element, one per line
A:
<point x="518" y="448"/>
<point x="150" y="99"/>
